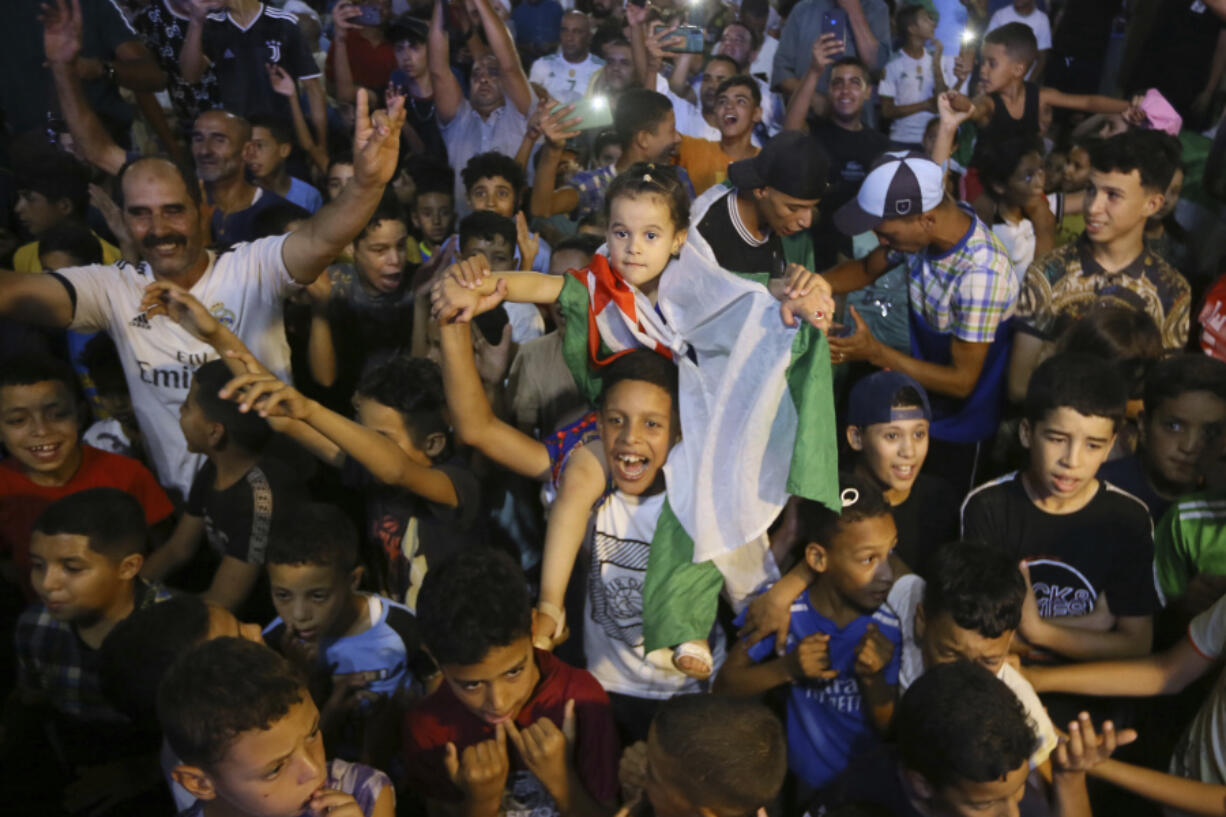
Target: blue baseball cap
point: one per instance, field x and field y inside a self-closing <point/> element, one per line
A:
<point x="871" y="399"/>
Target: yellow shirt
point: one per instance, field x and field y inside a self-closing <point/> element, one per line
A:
<point x="705" y="161"/>
<point x="26" y="257"/>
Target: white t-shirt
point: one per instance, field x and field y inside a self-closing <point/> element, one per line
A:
<point x="1201" y="752"/>
<point x="908" y="80"/>
<point x="565" y="81"/>
<point x="905" y="596"/>
<point x="619" y="542"/>
<point x="243" y="287"/>
<point x="1019" y="241"/>
<point x="1037" y="20"/>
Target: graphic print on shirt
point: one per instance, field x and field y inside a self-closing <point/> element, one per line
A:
<point x="1060" y="589"/>
<point x="525" y="796"/>
<point x="616" y="586"/>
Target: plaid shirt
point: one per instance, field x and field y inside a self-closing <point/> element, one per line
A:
<point x="968" y="290"/>
<point x="53" y="664"/>
<point x="1061" y="288"/>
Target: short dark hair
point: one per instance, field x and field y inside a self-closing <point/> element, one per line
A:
<point x="27" y="370"/>
<point x="959" y="722"/>
<point x="579" y="242"/>
<point x="907" y="16"/>
<point x="413" y="386"/>
<point x="112" y="520"/>
<point x="739" y="80"/>
<point x="651" y="178"/>
<point x="248" y="430"/>
<point x="474" y="601"/>
<point x="276" y="218"/>
<point x="219" y="689"/>
<point x="820" y="524"/>
<point x="1181" y="374"/>
<point x="1125" y="337"/>
<point x="998" y="160"/>
<point x="137" y="653"/>
<point x="979" y="586"/>
<point x="1017" y="39"/>
<point x="100" y="357"/>
<point x="185" y="175"/>
<point x="643" y="365"/>
<point x="858" y="63"/>
<point x="431" y="177"/>
<point x="486" y="225"/>
<point x="603" y="140"/>
<point x="1144" y="151"/>
<point x="637" y="110"/>
<point x="280" y="130"/>
<point x="73" y="238"/>
<point x="315" y="534"/>
<point x="407" y="28"/>
<point x="755" y="39"/>
<point x="729" y="755"/>
<point x="490" y="165"/>
<point x="388" y="209"/>
<point x="1077" y="381"/>
<point x="57" y="175"/>
<point x="736" y="66"/>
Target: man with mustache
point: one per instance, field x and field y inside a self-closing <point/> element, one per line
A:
<point x="218" y="140"/>
<point x="244" y="287"/>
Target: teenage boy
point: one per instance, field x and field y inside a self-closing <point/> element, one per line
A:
<point x="495" y="182"/>
<point x="1181" y="425"/>
<point x="245" y="732"/>
<point x="40" y="425"/>
<point x="1089" y="544"/>
<point x="964" y="744"/>
<point x="888" y="418"/>
<point x="410" y="36"/>
<point x="86" y="553"/>
<point x="915" y="78"/>
<point x="963" y="293"/>
<point x="1024" y="11"/>
<point x="238" y="499"/>
<point x="367" y="644"/>
<point x="511" y="727"/>
<point x="52" y="190"/>
<point x="264" y="155"/>
<point x="968" y="609"/>
<point x="738" y="108"/>
<point x="1129" y="174"/>
<point x="842" y="649"/>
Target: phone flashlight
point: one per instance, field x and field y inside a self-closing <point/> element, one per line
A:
<point x="600" y="101"/>
<point x="968" y="36"/>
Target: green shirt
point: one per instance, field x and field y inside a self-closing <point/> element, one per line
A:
<point x="1190" y="539"/>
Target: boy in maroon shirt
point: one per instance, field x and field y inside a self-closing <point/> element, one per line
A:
<point x="512" y="729"/>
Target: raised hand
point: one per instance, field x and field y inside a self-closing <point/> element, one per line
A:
<point x="280" y="80"/>
<point x="376" y="140"/>
<point x="1081" y="749"/>
<point x="529" y="243"/>
<point x="558" y="126"/>
<point x="546" y="749"/>
<point x="811" y="660"/>
<point x="826" y="49"/>
<point x="343" y="14"/>
<point x="480" y="772"/>
<point x="62" y="25"/>
<point x="873" y="653"/>
<point x="176" y="303"/>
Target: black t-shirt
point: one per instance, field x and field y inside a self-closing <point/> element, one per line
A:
<point x="926" y="519"/>
<point x="367" y="327"/>
<point x="851" y="154"/>
<point x="1107" y="546"/>
<point x="403" y="526"/>
<point x="239" y="226"/>
<point x="736" y="250"/>
<point x="240" y="56"/>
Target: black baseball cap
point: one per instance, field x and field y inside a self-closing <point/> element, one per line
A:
<point x="793" y="163"/>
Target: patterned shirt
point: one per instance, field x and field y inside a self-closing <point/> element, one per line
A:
<point x="55" y="665"/>
<point x="966" y="291"/>
<point x="163" y="30"/>
<point x="591" y="185"/>
<point x="363" y="782"/>
<point x="1063" y="286"/>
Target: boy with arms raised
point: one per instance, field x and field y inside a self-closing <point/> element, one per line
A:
<point x="1090" y="543"/>
<point x="500" y="694"/>
<point x="246" y="733"/>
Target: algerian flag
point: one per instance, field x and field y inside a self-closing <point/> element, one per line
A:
<point x="757" y="419"/>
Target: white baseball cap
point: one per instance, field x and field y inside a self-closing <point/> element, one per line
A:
<point x="899" y="184"/>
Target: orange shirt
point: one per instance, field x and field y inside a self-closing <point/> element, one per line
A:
<point x="705" y="161"/>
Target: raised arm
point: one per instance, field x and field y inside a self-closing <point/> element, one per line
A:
<point x="285" y="85"/>
<point x="191" y="57"/>
<point x="868" y="46"/>
<point x="548" y="200"/>
<point x="376" y="142"/>
<point x="342" y="74"/>
<point x="857" y="274"/>
<point x="514" y="80"/>
<point x="468" y="289"/>
<point x="35" y="298"/>
<point x="825" y="50"/>
<point x="321" y="350"/>
<point x="1190" y="796"/>
<point x="1090" y="103"/>
<point x="1165" y="673"/>
<point x="318" y="101"/>
<point x="447" y="92"/>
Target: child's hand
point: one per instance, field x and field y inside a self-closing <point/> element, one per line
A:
<point x="268" y="395"/>
<point x="560" y="126"/>
<point x="826" y="49"/>
<point x="481" y="771"/>
<point x="954" y="108"/>
<point x="176" y="303"/>
<point x="1031" y="625"/>
<point x="281" y="81"/>
<point x="527" y="241"/>
<point x="632" y="770"/>
<point x="452" y="300"/>
<point x="1081" y="749"/>
<point x="469" y="273"/>
<point x="873" y="653"/>
<point x="811" y="661"/>
<point x="769" y="614"/>
<point x="545" y="749"/>
<point x="349" y="690"/>
<point x="334" y="803"/>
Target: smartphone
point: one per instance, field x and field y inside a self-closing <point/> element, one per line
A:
<point x="594" y="111"/>
<point x="686" y="39"/>
<point x="835" y="22"/>
<point x="370" y="16"/>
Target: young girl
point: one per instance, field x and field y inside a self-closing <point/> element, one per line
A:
<point x="1013" y="176"/>
<point x="636" y="297"/>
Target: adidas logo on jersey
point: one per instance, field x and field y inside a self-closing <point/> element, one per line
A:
<point x="141" y="321"/>
<point x="228" y="55"/>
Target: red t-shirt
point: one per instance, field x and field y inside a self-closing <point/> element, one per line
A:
<point x="21" y="501"/>
<point x="442" y="718"/>
<point x="370" y="65"/>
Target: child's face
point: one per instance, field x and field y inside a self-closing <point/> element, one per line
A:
<point x="338" y="176"/>
<point x="1066" y="449"/>
<point x="496" y="688"/>
<point x="857" y="561"/>
<point x="273" y="772"/>
<point x="1053" y="171"/>
<point x="715" y="72"/>
<point x="76" y="582"/>
<point x="942" y="641"/>
<point x="892" y="452"/>
<point x="662" y="143"/>
<point x="1182" y="436"/>
<point x="412" y="58"/>
<point x="433" y="215"/>
<point x="736" y="112"/>
<point x="609" y="155"/>
<point x="380" y="255"/>
<point x="1027" y="180"/>
<point x="998" y="69"/>
<point x="389" y="422"/>
<point x="38" y="213"/>
<point x="642" y="239"/>
<point x="969" y="799"/>
<point x="309" y="598"/>
<point x="493" y="193"/>
<point x="924" y="26"/>
<point x="198" y="430"/>
<point x="262" y="154"/>
<point x="1077" y="170"/>
<point x="1117" y="205"/>
<point x="665" y="797"/>
<point x="636" y="429"/>
<point x="496" y="250"/>
<point x="39" y="427"/>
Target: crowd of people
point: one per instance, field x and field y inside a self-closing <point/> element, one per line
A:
<point x="593" y="408"/>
